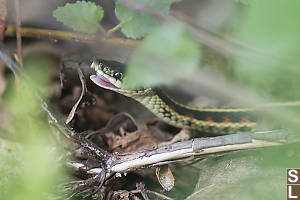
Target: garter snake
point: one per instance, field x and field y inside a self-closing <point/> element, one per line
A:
<point x="109" y="75"/>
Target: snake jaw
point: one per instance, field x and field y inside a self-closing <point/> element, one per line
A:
<point x="106" y="77"/>
<point x="103" y="82"/>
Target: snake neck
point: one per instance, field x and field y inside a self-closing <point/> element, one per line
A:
<point x="211" y="120"/>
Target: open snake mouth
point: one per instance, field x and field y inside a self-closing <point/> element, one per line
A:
<point x="105" y="77"/>
<point x="102" y="81"/>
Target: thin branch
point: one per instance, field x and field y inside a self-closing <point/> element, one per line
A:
<point x="18" y="30"/>
<point x="8" y="59"/>
<point x="3" y="14"/>
<point x="200" y="146"/>
<point x="117" y="27"/>
<point x="35" y="32"/>
<point x="141" y="189"/>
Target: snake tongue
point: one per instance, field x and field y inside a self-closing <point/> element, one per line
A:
<point x="102" y="81"/>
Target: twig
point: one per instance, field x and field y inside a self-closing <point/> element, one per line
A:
<point x="6" y="56"/>
<point x="18" y="30"/>
<point x="199" y="146"/>
<point x="35" y="32"/>
<point x="3" y="14"/>
<point x="140" y="188"/>
<point x="110" y="31"/>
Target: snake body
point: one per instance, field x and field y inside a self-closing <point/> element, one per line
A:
<point x="210" y="120"/>
<point x="109" y="75"/>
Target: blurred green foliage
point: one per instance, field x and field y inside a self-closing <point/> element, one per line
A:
<point x="271" y="29"/>
<point x="250" y="174"/>
<point x="81" y="16"/>
<point x="29" y="168"/>
<point x="169" y="53"/>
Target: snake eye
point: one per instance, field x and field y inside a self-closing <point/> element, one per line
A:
<point x="100" y="65"/>
<point x="118" y="75"/>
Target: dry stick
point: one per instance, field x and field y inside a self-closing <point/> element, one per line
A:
<point x="200" y="146"/>
<point x="35" y="32"/>
<point x="3" y="14"/>
<point x="18" y="27"/>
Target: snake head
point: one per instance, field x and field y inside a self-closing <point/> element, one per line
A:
<point x="109" y="74"/>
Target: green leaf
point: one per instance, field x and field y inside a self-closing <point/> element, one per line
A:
<point x="169" y="53"/>
<point x="80" y="16"/>
<point x="136" y="24"/>
<point x="272" y="28"/>
<point x="247" y="175"/>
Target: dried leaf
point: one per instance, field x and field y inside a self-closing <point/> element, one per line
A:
<point x="83" y="91"/>
<point x="165" y="177"/>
